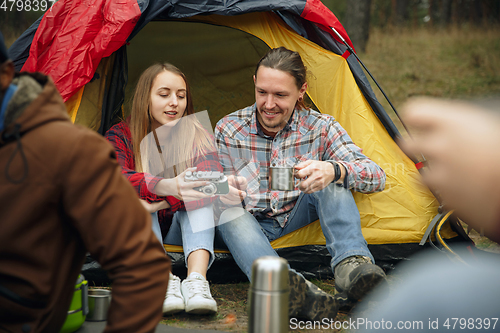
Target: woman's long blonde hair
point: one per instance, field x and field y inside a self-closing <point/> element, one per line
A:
<point x="188" y="137"/>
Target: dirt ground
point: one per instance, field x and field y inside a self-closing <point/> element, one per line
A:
<point x="232" y="310"/>
<point x="232" y="302"/>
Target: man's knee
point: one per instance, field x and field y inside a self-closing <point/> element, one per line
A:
<point x="334" y="192"/>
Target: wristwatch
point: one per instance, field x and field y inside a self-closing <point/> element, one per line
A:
<point x="337" y="170"/>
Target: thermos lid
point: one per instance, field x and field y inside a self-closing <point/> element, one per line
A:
<point x="270" y="274"/>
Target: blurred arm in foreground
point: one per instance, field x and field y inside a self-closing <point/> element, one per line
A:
<point x="460" y="141"/>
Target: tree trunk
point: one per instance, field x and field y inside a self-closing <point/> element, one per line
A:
<point x="446" y="12"/>
<point x="458" y="12"/>
<point x="434" y="12"/>
<point x="357" y="23"/>
<point x="399" y="12"/>
<point x="440" y="12"/>
<point x="12" y="21"/>
<point x="476" y="12"/>
<point x="414" y="14"/>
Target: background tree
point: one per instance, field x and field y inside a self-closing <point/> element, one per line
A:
<point x="400" y="12"/>
<point x="440" y="12"/>
<point x="13" y="22"/>
<point x="357" y="22"/>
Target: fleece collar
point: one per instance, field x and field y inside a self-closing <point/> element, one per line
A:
<point x="28" y="90"/>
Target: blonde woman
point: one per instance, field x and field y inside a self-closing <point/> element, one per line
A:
<point x="162" y="98"/>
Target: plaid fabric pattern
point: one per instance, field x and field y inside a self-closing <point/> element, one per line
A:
<point x="244" y="150"/>
<point x="120" y="137"/>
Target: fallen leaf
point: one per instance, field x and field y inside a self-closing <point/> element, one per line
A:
<point x="230" y="319"/>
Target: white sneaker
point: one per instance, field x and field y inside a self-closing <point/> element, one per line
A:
<point x="197" y="295"/>
<point x="174" y="302"/>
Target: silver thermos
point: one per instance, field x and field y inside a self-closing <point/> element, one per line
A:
<point x="268" y="296"/>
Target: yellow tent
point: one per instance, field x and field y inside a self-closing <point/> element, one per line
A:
<point x="398" y="216"/>
<point x="218" y="52"/>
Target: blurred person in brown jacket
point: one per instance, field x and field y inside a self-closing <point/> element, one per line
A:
<point x="62" y="194"/>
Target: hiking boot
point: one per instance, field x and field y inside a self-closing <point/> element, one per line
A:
<point x="197" y="295"/>
<point x="357" y="275"/>
<point x="308" y="301"/>
<point x="174" y="302"/>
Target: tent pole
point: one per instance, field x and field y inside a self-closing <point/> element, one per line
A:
<point x="379" y="87"/>
<point x="397" y="114"/>
<point x="366" y="69"/>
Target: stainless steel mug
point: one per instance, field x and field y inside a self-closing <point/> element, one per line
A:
<point x="99" y="300"/>
<point x="268" y="296"/>
<point x="282" y="178"/>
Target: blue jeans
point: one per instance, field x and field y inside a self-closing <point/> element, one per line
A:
<point x="181" y="231"/>
<point x="248" y="239"/>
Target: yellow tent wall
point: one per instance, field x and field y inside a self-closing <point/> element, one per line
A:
<point x="399" y="214"/>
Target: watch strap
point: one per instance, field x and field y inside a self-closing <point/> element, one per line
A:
<point x="337" y="170"/>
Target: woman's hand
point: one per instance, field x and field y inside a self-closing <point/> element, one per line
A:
<point x="181" y="189"/>
<point x="237" y="187"/>
<point x="154" y="206"/>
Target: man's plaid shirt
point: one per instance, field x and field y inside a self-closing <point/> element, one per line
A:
<point x="244" y="150"/>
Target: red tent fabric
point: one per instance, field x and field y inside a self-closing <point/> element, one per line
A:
<point x="74" y="35"/>
<point x="315" y="11"/>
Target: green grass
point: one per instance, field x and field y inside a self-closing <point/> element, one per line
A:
<point x="455" y="63"/>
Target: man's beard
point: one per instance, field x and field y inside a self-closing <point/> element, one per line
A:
<point x="270" y="126"/>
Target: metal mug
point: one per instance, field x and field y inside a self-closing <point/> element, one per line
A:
<point x="282" y="178"/>
<point x="268" y="296"/>
<point x="99" y="300"/>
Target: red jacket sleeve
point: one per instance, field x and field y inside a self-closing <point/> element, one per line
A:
<point x="120" y="138"/>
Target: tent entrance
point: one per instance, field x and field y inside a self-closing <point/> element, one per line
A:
<point x="218" y="61"/>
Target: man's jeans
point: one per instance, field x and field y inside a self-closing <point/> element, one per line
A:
<point x="248" y="239"/>
<point x="181" y="232"/>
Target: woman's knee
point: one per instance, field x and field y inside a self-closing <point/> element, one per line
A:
<point x="237" y="222"/>
<point x="232" y="214"/>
